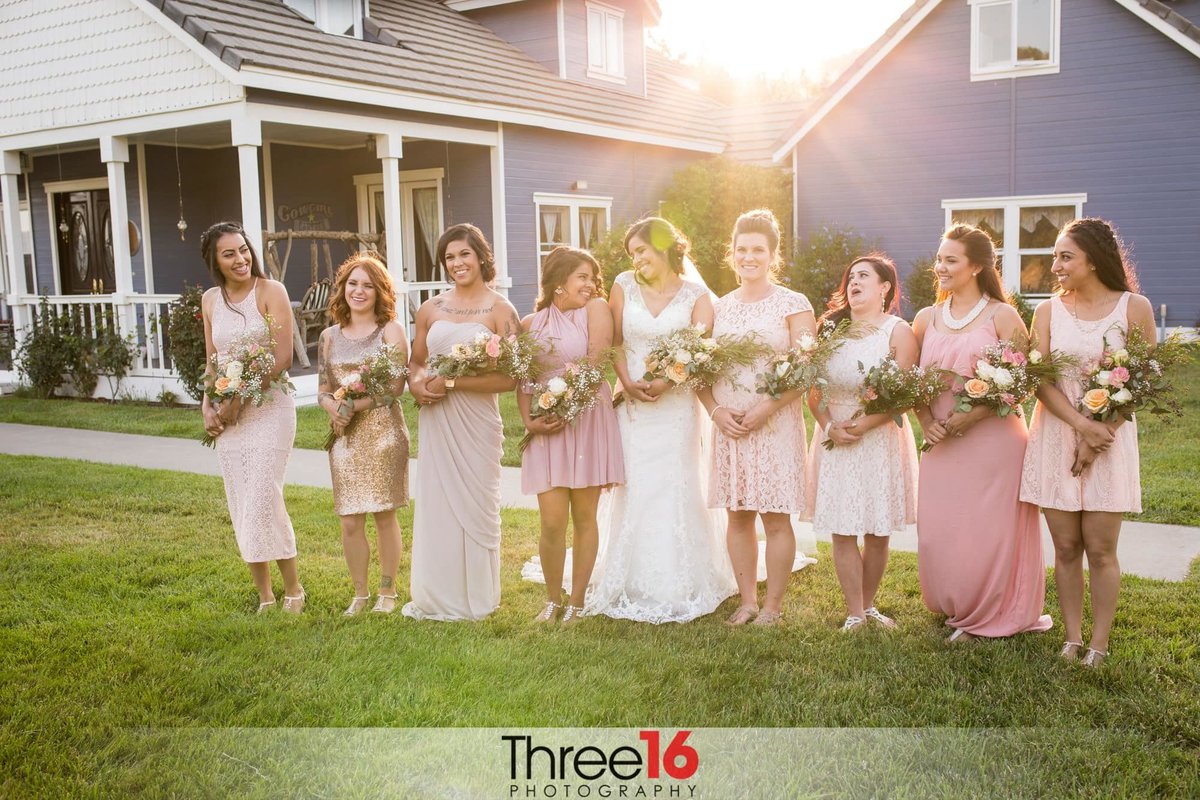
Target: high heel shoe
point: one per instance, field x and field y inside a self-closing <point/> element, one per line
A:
<point x="1093" y="658"/>
<point x="357" y="604"/>
<point x="386" y="604"/>
<point x="1070" y="650"/>
<point x="294" y="605"/>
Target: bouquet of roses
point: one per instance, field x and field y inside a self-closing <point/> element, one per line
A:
<point x="1134" y="378"/>
<point x="373" y="378"/>
<point x="515" y="355"/>
<point x="565" y="396"/>
<point x="1007" y="374"/>
<point x="888" y="389"/>
<point x="688" y="358"/>
<point x="802" y="367"/>
<point x="244" y="373"/>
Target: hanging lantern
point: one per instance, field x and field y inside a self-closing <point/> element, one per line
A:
<point x="182" y="226"/>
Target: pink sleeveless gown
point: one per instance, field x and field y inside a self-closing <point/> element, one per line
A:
<point x="979" y="552"/>
<point x="1113" y="481"/>
<point x="586" y="452"/>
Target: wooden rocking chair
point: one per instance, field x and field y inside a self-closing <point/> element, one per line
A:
<point x="310" y="318"/>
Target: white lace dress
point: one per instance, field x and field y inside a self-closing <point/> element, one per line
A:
<point x="662" y="555"/>
<point x="869" y="487"/>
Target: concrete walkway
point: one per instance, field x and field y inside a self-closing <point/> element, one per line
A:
<point x="1146" y="549"/>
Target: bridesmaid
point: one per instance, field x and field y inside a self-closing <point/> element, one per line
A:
<point x="979" y="561"/>
<point x="253" y="443"/>
<point x="369" y="460"/>
<point x="1083" y="473"/>
<point x="566" y="466"/>
<point x="867" y="484"/>
<point x="456" y="522"/>
<point x="759" y="443"/>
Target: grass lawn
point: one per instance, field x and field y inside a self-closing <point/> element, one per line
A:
<point x="126" y="629"/>
<point x="1170" y="452"/>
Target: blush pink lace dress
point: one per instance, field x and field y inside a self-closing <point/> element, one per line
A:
<point x="764" y="470"/>
<point x="1112" y="482"/>
<point x="254" y="451"/>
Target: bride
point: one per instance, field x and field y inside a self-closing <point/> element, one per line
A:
<point x="662" y="557"/>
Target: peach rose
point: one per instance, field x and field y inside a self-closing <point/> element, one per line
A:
<point x="340" y="393"/>
<point x="1096" y="401"/>
<point x="677" y="372"/>
<point x="545" y="401"/>
<point x="492" y="348"/>
<point x="976" y="388"/>
<point x="222" y="384"/>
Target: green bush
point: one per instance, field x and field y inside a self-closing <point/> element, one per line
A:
<point x="113" y="358"/>
<point x="185" y="340"/>
<point x="7" y="345"/>
<point x="821" y="259"/>
<point x="920" y="287"/>
<point x="1018" y="301"/>
<point x="45" y="353"/>
<point x="610" y="252"/>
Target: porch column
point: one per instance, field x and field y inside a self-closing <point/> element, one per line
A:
<point x="389" y="148"/>
<point x="114" y="152"/>
<point x="10" y="171"/>
<point x="247" y="138"/>
<point x="499" y="218"/>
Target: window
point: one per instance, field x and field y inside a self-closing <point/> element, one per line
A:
<point x="1024" y="230"/>
<point x="420" y="214"/>
<point x="1011" y="38"/>
<point x="606" y="42"/>
<point x="341" y="17"/>
<point x="570" y="220"/>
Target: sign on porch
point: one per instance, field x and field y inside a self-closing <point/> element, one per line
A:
<point x="307" y="216"/>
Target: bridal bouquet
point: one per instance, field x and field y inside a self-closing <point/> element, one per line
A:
<point x="802" y="367"/>
<point x="565" y="396"/>
<point x="888" y="389"/>
<point x="1134" y="378"/>
<point x="688" y="358"/>
<point x="515" y="355"/>
<point x="374" y="378"/>
<point x="1007" y="374"/>
<point x="245" y="373"/>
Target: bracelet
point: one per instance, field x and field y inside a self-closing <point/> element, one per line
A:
<point x="321" y="395"/>
<point x="713" y="413"/>
<point x="828" y="425"/>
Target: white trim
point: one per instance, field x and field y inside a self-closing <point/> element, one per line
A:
<point x="562" y="40"/>
<point x="150" y="123"/>
<point x="1162" y="26"/>
<point x="268" y="185"/>
<point x="1016" y="70"/>
<point x="500" y="213"/>
<point x="854" y="80"/>
<point x="81" y="185"/>
<point x="574" y="202"/>
<point x="471" y="5"/>
<point x="144" y="213"/>
<point x="614" y="73"/>
<point x="1010" y="253"/>
<point x="59" y="187"/>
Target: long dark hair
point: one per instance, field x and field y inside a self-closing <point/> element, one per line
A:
<point x="1105" y="251"/>
<point x="664" y="238"/>
<point x="981" y="252"/>
<point x="559" y="265"/>
<point x="208" y="251"/>
<point x="466" y="232"/>
<point x="838" y="307"/>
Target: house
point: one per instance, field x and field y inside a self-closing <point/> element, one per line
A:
<point x="1017" y="115"/>
<point x="131" y="125"/>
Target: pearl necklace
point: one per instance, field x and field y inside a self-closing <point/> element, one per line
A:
<point x="958" y="324"/>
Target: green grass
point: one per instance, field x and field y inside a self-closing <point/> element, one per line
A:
<point x="129" y="652"/>
<point x="1170" y="451"/>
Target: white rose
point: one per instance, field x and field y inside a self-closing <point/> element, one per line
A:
<point x="698" y="328"/>
<point x="234" y="370"/>
<point x="701" y="357"/>
<point x="459" y="350"/>
<point x="1121" y="397"/>
<point x="1103" y="377"/>
<point x="1035" y="357"/>
<point x="1002" y="378"/>
<point x="482" y="337"/>
<point x="556" y="386"/>
<point x="351" y="379"/>
<point x="806" y="342"/>
<point x="683" y="357"/>
<point x="1121" y="356"/>
<point x="782" y="368"/>
<point x="985" y="370"/>
<point x="235" y="384"/>
<point x="709" y="344"/>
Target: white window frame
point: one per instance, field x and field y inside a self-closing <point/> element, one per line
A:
<point x="27" y="247"/>
<point x="1014" y="69"/>
<point x="575" y="202"/>
<point x="366" y="186"/>
<point x="359" y="8"/>
<point x="606" y="72"/>
<point x="1010" y="254"/>
<point x="61" y="187"/>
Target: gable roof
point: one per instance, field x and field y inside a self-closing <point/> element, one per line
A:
<point x="428" y="57"/>
<point x="1179" y="22"/>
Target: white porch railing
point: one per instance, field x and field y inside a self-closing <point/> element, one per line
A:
<point x="418" y="293"/>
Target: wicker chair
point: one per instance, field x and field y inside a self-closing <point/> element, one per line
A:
<point x="311" y="317"/>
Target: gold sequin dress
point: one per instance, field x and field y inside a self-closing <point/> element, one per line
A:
<point x="370" y="462"/>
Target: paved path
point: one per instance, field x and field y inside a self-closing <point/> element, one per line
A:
<point x="1145" y="549"/>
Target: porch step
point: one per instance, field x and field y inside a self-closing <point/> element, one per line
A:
<point x="306" y="390"/>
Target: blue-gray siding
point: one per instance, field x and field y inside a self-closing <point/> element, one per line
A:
<point x="531" y="26"/>
<point x="1119" y="122"/>
<point x="537" y="160"/>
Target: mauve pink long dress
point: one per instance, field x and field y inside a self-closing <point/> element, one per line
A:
<point x="979" y="550"/>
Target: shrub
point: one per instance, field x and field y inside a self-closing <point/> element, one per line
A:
<point x="185" y="340"/>
<point x="610" y="252"/>
<point x="920" y="287"/>
<point x="45" y="354"/>
<point x="1018" y="301"/>
<point x="821" y="259"/>
<point x="167" y="398"/>
<point x="113" y="358"/>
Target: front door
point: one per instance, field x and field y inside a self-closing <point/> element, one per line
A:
<point x="85" y="250"/>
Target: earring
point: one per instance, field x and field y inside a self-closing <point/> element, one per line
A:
<point x="559" y="290"/>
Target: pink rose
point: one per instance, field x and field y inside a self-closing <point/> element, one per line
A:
<point x="1014" y="356"/>
<point x="871" y="394"/>
<point x="360" y="387"/>
<point x="1008" y="400"/>
<point x="493" y="347"/>
<point x="1118" y="377"/>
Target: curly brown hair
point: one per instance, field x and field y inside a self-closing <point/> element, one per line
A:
<point x="466" y="232"/>
<point x="385" y="290"/>
<point x="558" y="266"/>
<point x="1105" y="251"/>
